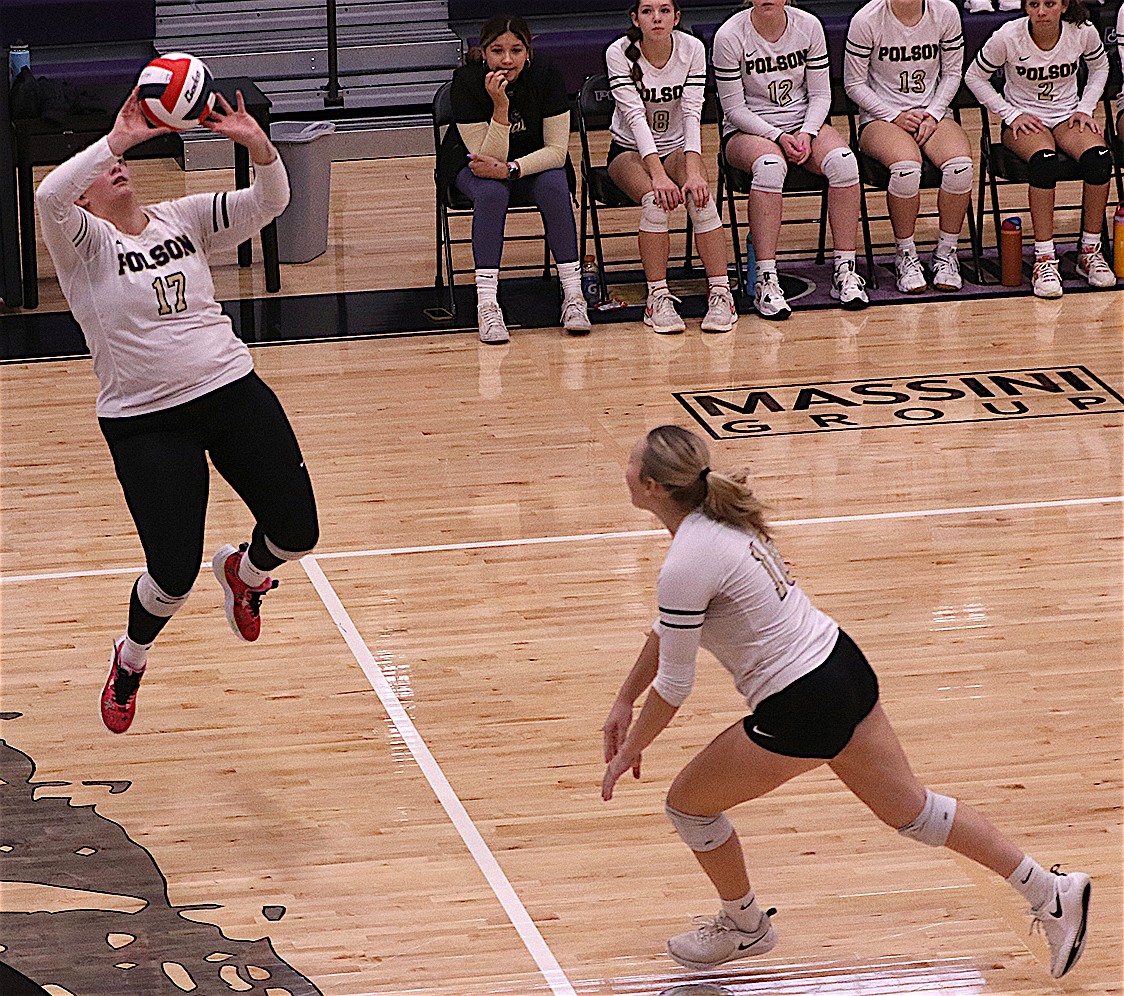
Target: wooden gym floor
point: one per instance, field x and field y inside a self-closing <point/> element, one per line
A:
<point x="398" y="784"/>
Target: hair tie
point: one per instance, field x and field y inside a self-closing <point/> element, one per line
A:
<point x="703" y="473"/>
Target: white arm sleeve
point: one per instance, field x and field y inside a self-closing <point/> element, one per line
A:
<point x="1096" y="60"/>
<point x="856" y="72"/>
<point x="952" y="68"/>
<point x="727" y="57"/>
<point x="694" y="94"/>
<point x="686" y="587"/>
<point x="991" y="58"/>
<point x="67" y="228"/>
<point x="817" y="73"/>
<point x="628" y="99"/>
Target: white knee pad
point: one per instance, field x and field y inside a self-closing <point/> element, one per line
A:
<point x="840" y="168"/>
<point x="933" y="824"/>
<point x="769" y="172"/>
<point x="705" y="218"/>
<point x="281" y="554"/>
<point x="653" y="218"/>
<point x="956" y="175"/>
<point x="155" y="600"/>
<point x="701" y="833"/>
<point x="905" y="179"/>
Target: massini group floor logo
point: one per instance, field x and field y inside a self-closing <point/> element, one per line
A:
<point x="884" y="402"/>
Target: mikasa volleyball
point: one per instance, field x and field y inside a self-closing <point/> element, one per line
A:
<point x="175" y="91"/>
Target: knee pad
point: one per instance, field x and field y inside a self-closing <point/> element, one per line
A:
<point x="282" y="554"/>
<point x="653" y="218"/>
<point x="701" y="833"/>
<point x="1096" y="165"/>
<point x="905" y="179"/>
<point x="1042" y="169"/>
<point x="769" y="172"/>
<point x="841" y="168"/>
<point x="956" y="175"/>
<point x="933" y="824"/>
<point x="705" y="218"/>
<point x="155" y="600"/>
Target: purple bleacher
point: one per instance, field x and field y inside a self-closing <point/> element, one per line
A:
<point x="76" y="22"/>
<point x="481" y="10"/>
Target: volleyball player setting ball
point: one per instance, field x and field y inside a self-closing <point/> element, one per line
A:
<point x="903" y="66"/>
<point x="657" y="76"/>
<point x="1043" y="112"/>
<point x="771" y="66"/>
<point x="176" y="384"/>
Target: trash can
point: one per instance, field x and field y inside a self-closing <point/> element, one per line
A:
<point x="302" y="228"/>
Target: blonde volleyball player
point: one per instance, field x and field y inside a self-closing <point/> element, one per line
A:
<point x="1042" y="112"/>
<point x="771" y="66"/>
<point x="813" y="699"/>
<point x="176" y="383"/>
<point x="657" y="76"/>
<point x="904" y="63"/>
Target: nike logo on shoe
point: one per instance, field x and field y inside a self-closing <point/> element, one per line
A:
<point x="1056" y="912"/>
<point x="1028" y="874"/>
<point x="761" y="733"/>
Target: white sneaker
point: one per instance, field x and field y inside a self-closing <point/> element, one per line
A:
<point x="911" y="274"/>
<point x="717" y="940"/>
<point x="1064" y="920"/>
<point x="847" y="287"/>
<point x="946" y="271"/>
<point x="493" y="329"/>
<point x="768" y="298"/>
<point x="661" y="315"/>
<point x="575" y="316"/>
<point x="1092" y="266"/>
<point x="1046" y="280"/>
<point x="721" y="315"/>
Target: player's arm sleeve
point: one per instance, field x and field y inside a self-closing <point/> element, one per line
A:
<point x="731" y="90"/>
<point x="485" y="138"/>
<point x="952" y="67"/>
<point x="556" y="146"/>
<point x="1096" y="60"/>
<point x="991" y="58"/>
<point x="67" y="229"/>
<point x="685" y="590"/>
<point x="817" y="77"/>
<point x="694" y="95"/>
<point x="628" y="100"/>
<point x="856" y="72"/>
<point x="481" y="133"/>
<point x="228" y="218"/>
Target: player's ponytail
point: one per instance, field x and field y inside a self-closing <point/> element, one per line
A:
<point x="679" y="460"/>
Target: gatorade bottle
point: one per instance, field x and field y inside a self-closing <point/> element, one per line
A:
<point x="591" y="285"/>
<point x="1011" y="252"/>
<point x="19" y="57"/>
<point x="1118" y="241"/>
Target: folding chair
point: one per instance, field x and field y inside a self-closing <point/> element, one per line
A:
<point x="595" y="110"/>
<point x="452" y="203"/>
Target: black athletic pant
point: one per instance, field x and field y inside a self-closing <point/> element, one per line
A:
<point x="161" y="462"/>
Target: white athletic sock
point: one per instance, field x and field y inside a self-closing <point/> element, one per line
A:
<point x="946" y="244"/>
<point x="249" y="574"/>
<point x="766" y="266"/>
<point x="1033" y="882"/>
<point x="657" y="287"/>
<point x="722" y="281"/>
<point x="1044" y="248"/>
<point x="487" y="285"/>
<point x="570" y="276"/>
<point x="842" y="256"/>
<point x="132" y="655"/>
<point x="907" y="246"/>
<point x="745" y="912"/>
<point x="1090" y="241"/>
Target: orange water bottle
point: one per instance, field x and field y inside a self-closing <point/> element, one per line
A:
<point x="1011" y="252"/>
<point x="1118" y="241"/>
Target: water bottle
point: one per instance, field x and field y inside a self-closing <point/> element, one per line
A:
<point x="19" y="57"/>
<point x="1118" y="241"/>
<point x="750" y="265"/>
<point x="1011" y="252"/>
<point x="591" y="284"/>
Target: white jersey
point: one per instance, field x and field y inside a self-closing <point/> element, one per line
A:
<point x="664" y="112"/>
<point x="890" y="67"/>
<point x="1120" y="53"/>
<point x="770" y="88"/>
<point x="730" y="592"/>
<point x="146" y="303"/>
<point x="1036" y="82"/>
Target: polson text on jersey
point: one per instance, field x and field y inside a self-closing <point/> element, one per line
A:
<point x="775" y="64"/>
<point x="915" y="53"/>
<point x="1054" y="72"/>
<point x="159" y="255"/>
<point x="662" y="95"/>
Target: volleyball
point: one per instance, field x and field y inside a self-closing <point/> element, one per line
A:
<point x="175" y="91"/>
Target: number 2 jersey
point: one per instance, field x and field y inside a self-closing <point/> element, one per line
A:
<point x="662" y="113"/>
<point x="771" y="88"/>
<point x="146" y="303"/>
<point x="728" y="591"/>
<point x="1036" y="82"/>
<point x="890" y="67"/>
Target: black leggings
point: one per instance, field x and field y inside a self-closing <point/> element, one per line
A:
<point x="161" y="462"/>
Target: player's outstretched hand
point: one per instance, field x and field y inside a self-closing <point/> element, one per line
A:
<point x="239" y="125"/>
<point x="617" y="767"/>
<point x="131" y="127"/>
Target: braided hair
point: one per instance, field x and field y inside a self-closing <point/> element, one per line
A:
<point x="635" y="36"/>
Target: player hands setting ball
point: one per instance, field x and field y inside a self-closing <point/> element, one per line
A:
<point x="176" y="384"/>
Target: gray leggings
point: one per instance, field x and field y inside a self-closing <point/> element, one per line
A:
<point x="548" y="191"/>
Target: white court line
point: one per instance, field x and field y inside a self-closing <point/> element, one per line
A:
<point x="484" y="858"/>
<point x="630" y="534"/>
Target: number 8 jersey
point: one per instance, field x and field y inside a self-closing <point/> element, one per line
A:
<point x="767" y="87"/>
<point x="1036" y="82"/>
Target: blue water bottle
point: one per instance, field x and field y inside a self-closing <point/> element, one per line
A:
<point x="19" y="56"/>
<point x="591" y="284"/>
<point x="750" y="265"/>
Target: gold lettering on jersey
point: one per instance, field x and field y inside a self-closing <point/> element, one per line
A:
<point x="884" y="402"/>
<point x="158" y="255"/>
<point x="763" y="64"/>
